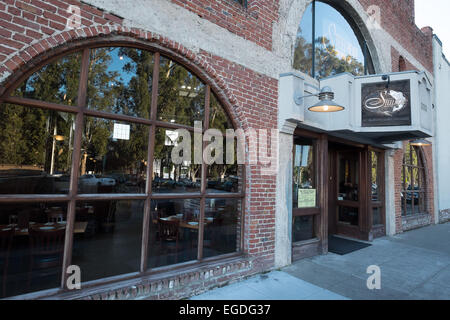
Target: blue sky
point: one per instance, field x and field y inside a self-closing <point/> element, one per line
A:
<point x="435" y="13"/>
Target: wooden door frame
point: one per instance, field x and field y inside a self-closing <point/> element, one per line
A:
<point x="364" y="230"/>
<point x="318" y="245"/>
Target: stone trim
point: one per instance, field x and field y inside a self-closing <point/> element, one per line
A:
<point x="444" y="216"/>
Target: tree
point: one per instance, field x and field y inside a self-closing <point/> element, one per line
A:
<point x="26" y="134"/>
<point x="328" y="62"/>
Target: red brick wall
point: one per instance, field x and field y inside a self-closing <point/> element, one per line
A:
<point x="397" y="18"/>
<point x="253" y="23"/>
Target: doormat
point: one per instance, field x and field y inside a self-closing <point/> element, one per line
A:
<point x="344" y="246"/>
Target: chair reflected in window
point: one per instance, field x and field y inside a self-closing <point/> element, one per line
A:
<point x="56" y="217"/>
<point x="6" y="239"/>
<point x="169" y="236"/>
<point x="46" y="252"/>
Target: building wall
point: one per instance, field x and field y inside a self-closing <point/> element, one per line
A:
<point x="242" y="50"/>
<point x="442" y="149"/>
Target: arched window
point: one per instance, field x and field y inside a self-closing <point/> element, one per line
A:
<point x="91" y="144"/>
<point x="413" y="182"/>
<point x="337" y="45"/>
<point x="401" y="64"/>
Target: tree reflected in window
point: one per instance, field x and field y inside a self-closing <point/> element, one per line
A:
<point x="103" y="164"/>
<point x="413" y="193"/>
<point x="336" y="47"/>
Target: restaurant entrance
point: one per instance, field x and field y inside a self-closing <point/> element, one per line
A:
<point x="355" y="191"/>
<point x="338" y="189"/>
<point x="344" y="194"/>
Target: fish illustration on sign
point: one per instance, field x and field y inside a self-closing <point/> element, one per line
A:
<point x="387" y="102"/>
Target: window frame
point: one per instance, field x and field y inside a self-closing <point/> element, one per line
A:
<point x="81" y="110"/>
<point x="380" y="172"/>
<point x="422" y="183"/>
<point x="313" y="212"/>
<point x="368" y="61"/>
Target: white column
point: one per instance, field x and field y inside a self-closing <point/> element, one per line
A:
<point x="390" y="192"/>
<point x="283" y="214"/>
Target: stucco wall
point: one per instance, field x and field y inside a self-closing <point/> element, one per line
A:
<point x="442" y="146"/>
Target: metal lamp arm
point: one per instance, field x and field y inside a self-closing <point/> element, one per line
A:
<point x="299" y="98"/>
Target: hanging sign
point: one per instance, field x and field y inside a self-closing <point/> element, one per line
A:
<point x="383" y="106"/>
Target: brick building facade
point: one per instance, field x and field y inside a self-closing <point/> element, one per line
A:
<point x="240" y="51"/>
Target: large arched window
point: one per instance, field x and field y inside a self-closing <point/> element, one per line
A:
<point x="88" y="145"/>
<point x="413" y="182"/>
<point x="337" y="45"/>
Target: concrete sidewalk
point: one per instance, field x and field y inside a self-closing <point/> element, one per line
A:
<point x="276" y="285"/>
<point x="414" y="265"/>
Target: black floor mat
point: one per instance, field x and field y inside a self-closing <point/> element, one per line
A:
<point x="343" y="246"/>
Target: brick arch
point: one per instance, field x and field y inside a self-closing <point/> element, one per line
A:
<point x="31" y="58"/>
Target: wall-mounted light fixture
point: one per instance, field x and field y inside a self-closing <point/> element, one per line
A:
<point x="326" y="103"/>
<point x="420" y="143"/>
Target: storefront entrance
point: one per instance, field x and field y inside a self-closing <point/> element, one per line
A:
<point x="338" y="189"/>
<point x="345" y="211"/>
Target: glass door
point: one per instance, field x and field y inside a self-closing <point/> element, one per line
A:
<point x="305" y="196"/>
<point x="348" y="201"/>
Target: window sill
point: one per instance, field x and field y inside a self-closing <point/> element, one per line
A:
<point x="306" y="242"/>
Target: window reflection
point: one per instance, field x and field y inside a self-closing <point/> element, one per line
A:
<point x="336" y="47"/>
<point x="375" y="175"/>
<point x="120" y="81"/>
<point x="349" y="215"/>
<point x="32" y="239"/>
<point x="222" y="226"/>
<point x="303" y="227"/>
<point x="413" y="194"/>
<point x="303" y="44"/>
<point x="114" y="157"/>
<point x="181" y="96"/>
<point x="173" y="234"/>
<point x="171" y="177"/>
<point x="304" y="175"/>
<point x="35" y="150"/>
<point x="107" y="238"/>
<point x="348" y="177"/>
<point x="218" y="119"/>
<point x="56" y="82"/>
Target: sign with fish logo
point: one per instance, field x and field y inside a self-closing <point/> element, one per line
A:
<point x="383" y="106"/>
